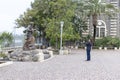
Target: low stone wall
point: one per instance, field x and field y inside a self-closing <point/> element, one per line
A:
<point x="109" y="48"/>
<point x="96" y="47"/>
<point x="105" y="48"/>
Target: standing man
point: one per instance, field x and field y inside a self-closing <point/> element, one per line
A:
<point x="88" y="49"/>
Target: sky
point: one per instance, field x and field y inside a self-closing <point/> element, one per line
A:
<point x="10" y="10"/>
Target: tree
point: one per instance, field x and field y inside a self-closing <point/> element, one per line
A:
<point x="95" y="8"/>
<point x="80" y="24"/>
<point x="6" y="38"/>
<point x="61" y="12"/>
<point x="47" y="14"/>
<point x="80" y="19"/>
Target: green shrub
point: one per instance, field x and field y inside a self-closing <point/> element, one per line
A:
<point x="3" y="55"/>
<point x="114" y="42"/>
<point x="98" y="42"/>
<point x="107" y="42"/>
<point x="95" y="47"/>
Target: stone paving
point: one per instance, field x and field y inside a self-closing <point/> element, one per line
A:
<point x="105" y="65"/>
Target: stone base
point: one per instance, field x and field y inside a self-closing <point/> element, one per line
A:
<point x="66" y="52"/>
<point x="100" y="48"/>
<point x="105" y="48"/>
<point x="115" y="48"/>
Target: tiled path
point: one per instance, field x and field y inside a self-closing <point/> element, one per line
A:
<point x="105" y="65"/>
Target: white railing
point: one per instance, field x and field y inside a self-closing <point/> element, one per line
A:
<point x="11" y="48"/>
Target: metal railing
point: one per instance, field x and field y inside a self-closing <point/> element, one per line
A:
<point x="11" y="48"/>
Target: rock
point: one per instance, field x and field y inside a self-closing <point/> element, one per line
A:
<point x="46" y="56"/>
<point x="38" y="57"/>
<point x="51" y="53"/>
<point x="45" y="51"/>
<point x="31" y="55"/>
<point x="26" y="58"/>
<point x="41" y="56"/>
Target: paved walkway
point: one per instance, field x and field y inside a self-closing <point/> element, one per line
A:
<point x="105" y="65"/>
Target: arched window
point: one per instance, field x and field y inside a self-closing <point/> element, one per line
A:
<point x="101" y="29"/>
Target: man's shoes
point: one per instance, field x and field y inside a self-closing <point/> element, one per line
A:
<point x="87" y="60"/>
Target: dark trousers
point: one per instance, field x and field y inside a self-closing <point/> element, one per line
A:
<point x="88" y="54"/>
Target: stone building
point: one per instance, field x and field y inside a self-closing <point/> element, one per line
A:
<point x="107" y="26"/>
<point x="111" y="27"/>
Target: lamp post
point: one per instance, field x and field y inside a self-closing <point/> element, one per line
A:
<point x="61" y="26"/>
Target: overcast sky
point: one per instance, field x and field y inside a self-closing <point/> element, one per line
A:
<point x="11" y="10"/>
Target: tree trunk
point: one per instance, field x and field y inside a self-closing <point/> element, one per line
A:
<point x="94" y="19"/>
<point x="94" y="33"/>
<point x="56" y="42"/>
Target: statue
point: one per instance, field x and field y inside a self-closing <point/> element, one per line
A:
<point x="30" y="40"/>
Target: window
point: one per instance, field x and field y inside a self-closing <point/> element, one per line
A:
<point x="97" y="32"/>
<point x="102" y="32"/>
<point x="101" y="29"/>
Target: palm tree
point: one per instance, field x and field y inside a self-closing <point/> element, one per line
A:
<point x="95" y="8"/>
<point x="6" y="38"/>
<point x="80" y="18"/>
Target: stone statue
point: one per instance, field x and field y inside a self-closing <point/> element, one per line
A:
<point x="30" y="40"/>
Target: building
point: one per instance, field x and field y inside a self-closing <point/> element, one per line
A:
<point x="107" y="26"/>
<point x="110" y="26"/>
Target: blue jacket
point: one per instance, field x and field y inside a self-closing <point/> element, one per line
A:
<point x="88" y="45"/>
